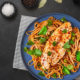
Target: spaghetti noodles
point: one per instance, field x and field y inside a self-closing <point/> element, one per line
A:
<point x="69" y="62"/>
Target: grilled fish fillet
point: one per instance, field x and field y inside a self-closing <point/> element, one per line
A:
<point x="57" y="52"/>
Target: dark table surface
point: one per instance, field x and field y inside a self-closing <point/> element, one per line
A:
<point x="9" y="32"/>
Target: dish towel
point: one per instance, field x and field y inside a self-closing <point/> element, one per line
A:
<point x="24" y="23"/>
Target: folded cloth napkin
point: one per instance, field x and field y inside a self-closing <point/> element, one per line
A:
<point x="24" y="23"/>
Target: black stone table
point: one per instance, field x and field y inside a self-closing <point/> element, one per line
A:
<point x="9" y="32"/>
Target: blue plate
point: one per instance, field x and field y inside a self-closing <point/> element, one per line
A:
<point x="27" y="57"/>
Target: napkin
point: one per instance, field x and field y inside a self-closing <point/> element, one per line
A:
<point x="24" y="23"/>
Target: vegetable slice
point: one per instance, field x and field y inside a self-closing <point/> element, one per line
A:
<point x="30" y="42"/>
<point x="41" y="73"/>
<point x="58" y="1"/>
<point x="43" y="31"/>
<point x="78" y="56"/>
<point x="42" y="3"/>
<point x="66" y="45"/>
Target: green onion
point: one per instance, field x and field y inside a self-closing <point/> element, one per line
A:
<point x="64" y="31"/>
<point x="63" y="19"/>
<point x="71" y="42"/>
<point x="54" y="75"/>
<point x="54" y="43"/>
<point x="42" y="40"/>
<point x="30" y="43"/>
<point x="25" y="49"/>
<point x="65" y="70"/>
<point x="49" y="53"/>
<point x="41" y="73"/>
<point x="66" y="45"/>
<point x="50" y="22"/>
<point x="73" y="34"/>
<point x="43" y="31"/>
<point x="70" y="67"/>
<point x="78" y="56"/>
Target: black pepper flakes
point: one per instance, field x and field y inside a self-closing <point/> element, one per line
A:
<point x="30" y="3"/>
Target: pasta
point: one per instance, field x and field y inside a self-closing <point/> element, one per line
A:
<point x="68" y="61"/>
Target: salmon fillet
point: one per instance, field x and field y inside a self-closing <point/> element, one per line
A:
<point x="57" y="52"/>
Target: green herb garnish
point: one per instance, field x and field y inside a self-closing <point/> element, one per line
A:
<point x="30" y="42"/>
<point x="65" y="70"/>
<point x="70" y="67"/>
<point x="54" y="43"/>
<point x="50" y="22"/>
<point x="73" y="38"/>
<point x="67" y="45"/>
<point x="39" y="64"/>
<point x="73" y="34"/>
<point x="42" y="40"/>
<point x="54" y="75"/>
<point x="49" y="53"/>
<point x="68" y="50"/>
<point x="41" y="73"/>
<point x="43" y="31"/>
<point x="71" y="42"/>
<point x="78" y="56"/>
<point x="37" y="52"/>
<point x="64" y="31"/>
<point x="25" y="49"/>
<point x="63" y="19"/>
<point x="31" y="52"/>
<point x="65" y="60"/>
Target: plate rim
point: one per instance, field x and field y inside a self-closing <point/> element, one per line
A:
<point x="45" y="15"/>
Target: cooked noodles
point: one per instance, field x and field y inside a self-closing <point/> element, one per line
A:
<point x="68" y="60"/>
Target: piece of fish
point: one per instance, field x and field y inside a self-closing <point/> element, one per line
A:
<point x="57" y="51"/>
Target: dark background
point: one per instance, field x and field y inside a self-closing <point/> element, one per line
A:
<point x="9" y="32"/>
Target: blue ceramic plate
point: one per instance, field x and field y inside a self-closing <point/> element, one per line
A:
<point x="27" y="57"/>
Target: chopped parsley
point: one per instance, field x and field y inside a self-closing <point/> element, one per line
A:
<point x="54" y="43"/>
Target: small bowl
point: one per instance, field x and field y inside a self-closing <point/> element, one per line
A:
<point x="11" y="16"/>
<point x="31" y="7"/>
